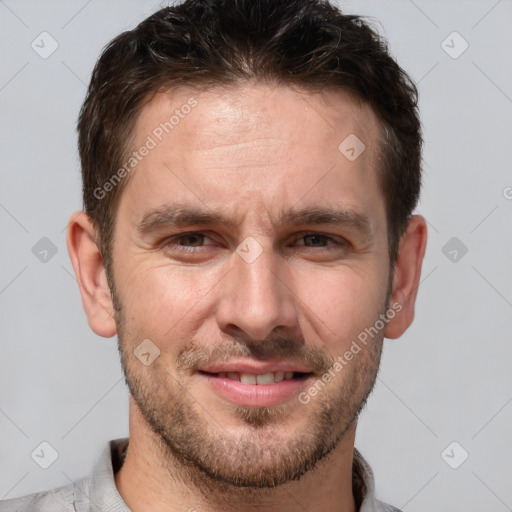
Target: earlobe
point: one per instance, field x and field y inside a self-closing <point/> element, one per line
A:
<point x="406" y="276"/>
<point x="90" y="273"/>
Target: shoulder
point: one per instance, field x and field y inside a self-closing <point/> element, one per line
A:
<point x="59" y="499"/>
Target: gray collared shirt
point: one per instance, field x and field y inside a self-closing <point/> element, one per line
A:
<point x="98" y="491"/>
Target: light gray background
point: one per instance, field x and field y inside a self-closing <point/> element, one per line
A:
<point x="447" y="379"/>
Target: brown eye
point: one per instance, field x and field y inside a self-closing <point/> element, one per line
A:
<point x="316" y="240"/>
<point x="188" y="243"/>
<point x="192" y="240"/>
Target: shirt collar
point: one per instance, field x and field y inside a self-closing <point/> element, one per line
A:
<point x="99" y="491"/>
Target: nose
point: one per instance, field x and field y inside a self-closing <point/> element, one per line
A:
<point x="256" y="297"/>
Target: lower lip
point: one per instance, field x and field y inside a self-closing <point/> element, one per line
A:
<point x="255" y="395"/>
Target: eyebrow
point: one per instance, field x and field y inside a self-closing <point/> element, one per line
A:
<point x="180" y="216"/>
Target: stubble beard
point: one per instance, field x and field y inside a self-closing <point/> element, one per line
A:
<point x="197" y="449"/>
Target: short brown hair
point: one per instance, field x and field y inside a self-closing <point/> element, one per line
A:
<point x="203" y="43"/>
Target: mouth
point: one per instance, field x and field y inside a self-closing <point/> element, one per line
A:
<point x="255" y="388"/>
<point x="259" y="379"/>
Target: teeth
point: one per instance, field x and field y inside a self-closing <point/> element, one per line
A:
<point x="263" y="379"/>
<point x="247" y="378"/>
<point x="278" y="376"/>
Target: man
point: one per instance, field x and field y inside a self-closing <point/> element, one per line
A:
<point x="250" y="168"/>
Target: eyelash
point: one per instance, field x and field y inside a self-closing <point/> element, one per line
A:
<point x="342" y="243"/>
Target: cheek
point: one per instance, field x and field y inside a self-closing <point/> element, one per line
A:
<point x="340" y="303"/>
<point x="162" y="299"/>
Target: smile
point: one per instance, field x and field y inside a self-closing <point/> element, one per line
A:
<point x="262" y="379"/>
<point x="256" y="389"/>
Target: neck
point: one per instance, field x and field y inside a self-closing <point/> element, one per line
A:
<point x="152" y="477"/>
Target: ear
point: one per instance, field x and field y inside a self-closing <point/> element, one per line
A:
<point x="90" y="274"/>
<point x="406" y="276"/>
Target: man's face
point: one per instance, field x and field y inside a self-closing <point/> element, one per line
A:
<point x="225" y="258"/>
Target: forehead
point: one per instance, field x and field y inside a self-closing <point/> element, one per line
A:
<point x="254" y="147"/>
<point x="225" y="114"/>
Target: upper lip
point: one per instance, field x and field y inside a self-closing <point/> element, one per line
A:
<point x="256" y="367"/>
